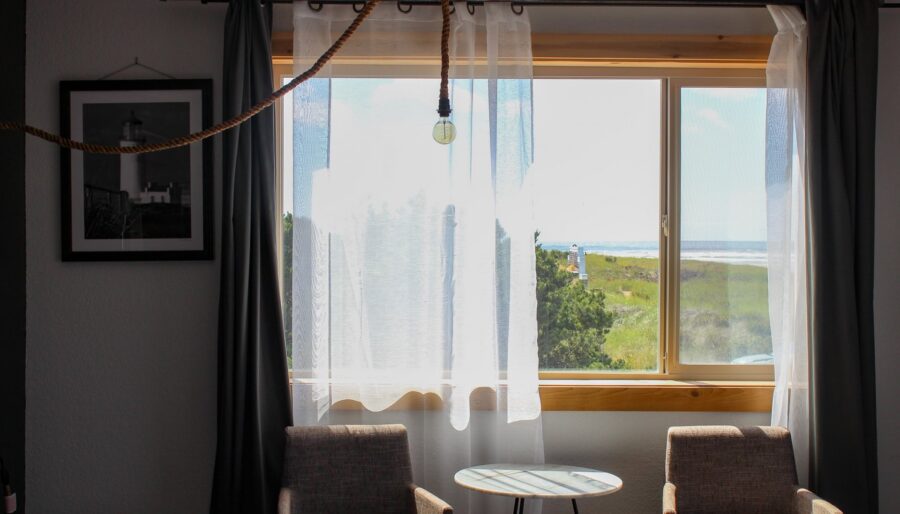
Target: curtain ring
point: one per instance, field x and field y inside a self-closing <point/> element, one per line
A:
<point x="314" y="6"/>
<point x="360" y="8"/>
<point x="400" y="7"/>
<point x="470" y="7"/>
<point x="452" y="8"/>
<point x="512" y="5"/>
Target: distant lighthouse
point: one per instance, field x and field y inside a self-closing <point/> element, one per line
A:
<point x="572" y="259"/>
<point x="130" y="164"/>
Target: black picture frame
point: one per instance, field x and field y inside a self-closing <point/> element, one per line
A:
<point x="133" y="217"/>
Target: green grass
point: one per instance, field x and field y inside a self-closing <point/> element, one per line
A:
<point x="724" y="309"/>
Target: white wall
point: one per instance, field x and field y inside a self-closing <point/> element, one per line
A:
<point x="887" y="260"/>
<point x="121" y="357"/>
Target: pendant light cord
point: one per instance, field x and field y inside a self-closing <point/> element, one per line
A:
<point x="178" y="142"/>
<point x="444" y="98"/>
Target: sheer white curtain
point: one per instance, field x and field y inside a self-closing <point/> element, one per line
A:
<point x="413" y="263"/>
<point x="786" y="190"/>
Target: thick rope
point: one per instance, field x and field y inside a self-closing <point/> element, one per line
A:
<point x="178" y="142"/>
<point x="445" y="49"/>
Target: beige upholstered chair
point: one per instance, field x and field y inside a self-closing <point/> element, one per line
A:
<point x="724" y="469"/>
<point x="349" y="469"/>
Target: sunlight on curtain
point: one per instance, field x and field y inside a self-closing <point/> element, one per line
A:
<point x="786" y="192"/>
<point x="413" y="262"/>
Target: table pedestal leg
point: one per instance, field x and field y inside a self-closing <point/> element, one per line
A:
<point x="519" y="506"/>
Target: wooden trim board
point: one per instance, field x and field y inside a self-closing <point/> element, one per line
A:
<point x="616" y="50"/>
<point x="650" y="396"/>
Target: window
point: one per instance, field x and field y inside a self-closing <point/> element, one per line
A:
<point x="651" y="264"/>
<point x="650" y="212"/>
<point x="719" y="314"/>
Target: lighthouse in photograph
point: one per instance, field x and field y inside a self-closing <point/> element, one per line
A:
<point x="130" y="164"/>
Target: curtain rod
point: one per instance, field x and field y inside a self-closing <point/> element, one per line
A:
<point x="406" y="4"/>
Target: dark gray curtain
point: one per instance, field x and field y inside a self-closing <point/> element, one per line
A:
<point x="843" y="48"/>
<point x="254" y="399"/>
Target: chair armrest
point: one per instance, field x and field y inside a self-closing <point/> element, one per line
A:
<point x="806" y="502"/>
<point x="669" y="498"/>
<point x="284" y="501"/>
<point x="427" y="503"/>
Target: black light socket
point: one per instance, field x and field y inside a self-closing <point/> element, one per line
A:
<point x="444" y="109"/>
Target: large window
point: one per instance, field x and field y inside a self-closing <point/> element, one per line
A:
<point x="650" y="218"/>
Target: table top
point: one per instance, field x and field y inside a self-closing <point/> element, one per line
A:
<point x="546" y="481"/>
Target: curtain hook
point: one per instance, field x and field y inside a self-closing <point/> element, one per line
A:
<point x="314" y="6"/>
<point x="470" y="7"/>
<point x="452" y="8"/>
<point x="512" y="5"/>
<point x="400" y="7"/>
<point x="358" y="10"/>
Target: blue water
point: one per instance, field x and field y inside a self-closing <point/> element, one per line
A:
<point x="752" y="253"/>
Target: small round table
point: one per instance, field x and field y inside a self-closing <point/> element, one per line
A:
<point x="538" y="481"/>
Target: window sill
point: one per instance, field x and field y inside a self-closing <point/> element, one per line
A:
<point x="618" y="395"/>
<point x="656" y="395"/>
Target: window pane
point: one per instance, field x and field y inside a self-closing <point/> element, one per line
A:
<point x="724" y="316"/>
<point x="597" y="182"/>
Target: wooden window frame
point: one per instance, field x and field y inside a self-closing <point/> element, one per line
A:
<point x="677" y="62"/>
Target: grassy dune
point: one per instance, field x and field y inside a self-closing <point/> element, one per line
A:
<point x="724" y="309"/>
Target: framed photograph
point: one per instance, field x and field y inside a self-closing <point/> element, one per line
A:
<point x="151" y="206"/>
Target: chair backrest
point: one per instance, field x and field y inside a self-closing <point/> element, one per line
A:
<point x="731" y="469"/>
<point x="347" y="468"/>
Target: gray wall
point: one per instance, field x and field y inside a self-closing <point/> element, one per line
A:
<point x="887" y="260"/>
<point x="12" y="245"/>
<point x="121" y="375"/>
<point x="122" y="356"/>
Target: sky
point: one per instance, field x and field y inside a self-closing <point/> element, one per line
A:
<point x="596" y="171"/>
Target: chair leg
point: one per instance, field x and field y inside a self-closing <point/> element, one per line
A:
<point x="516" y="507"/>
<point x="521" y="505"/>
<point x="574" y="506"/>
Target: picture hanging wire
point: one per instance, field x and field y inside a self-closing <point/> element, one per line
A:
<point x="136" y="64"/>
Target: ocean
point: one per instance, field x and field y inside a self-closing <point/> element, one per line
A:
<point x="751" y="253"/>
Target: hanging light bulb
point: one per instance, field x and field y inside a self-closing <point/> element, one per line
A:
<point x="444" y="131"/>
